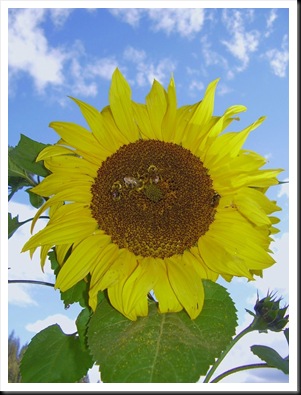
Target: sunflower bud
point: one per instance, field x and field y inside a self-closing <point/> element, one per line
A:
<point x="269" y="315"/>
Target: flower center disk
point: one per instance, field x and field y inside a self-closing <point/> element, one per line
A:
<point x="153" y="198"/>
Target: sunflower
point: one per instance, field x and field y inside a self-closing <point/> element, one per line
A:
<point x="154" y="198"/>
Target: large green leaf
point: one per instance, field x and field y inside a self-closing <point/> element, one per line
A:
<point x="54" y="357"/>
<point x="24" y="156"/>
<point x="161" y="348"/>
<point x="271" y="357"/>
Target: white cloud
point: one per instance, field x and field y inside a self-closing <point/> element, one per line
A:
<point x="134" y="55"/>
<point x="270" y="21"/>
<point x="223" y="89"/>
<point x="22" y="267"/>
<point x="150" y="71"/>
<point x="19" y="295"/>
<point x="196" y="85"/>
<point x="278" y="58"/>
<point x="103" y="68"/>
<point x="146" y="69"/>
<point x="184" y="21"/>
<point x="131" y="16"/>
<point x="242" y="42"/>
<point x="29" y="50"/>
<point x="69" y="69"/>
<point x="212" y="57"/>
<point x="59" y="15"/>
<point x="81" y="86"/>
<point x="67" y="325"/>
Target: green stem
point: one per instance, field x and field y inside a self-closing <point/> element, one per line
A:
<point x="225" y="352"/>
<point x="30" y="219"/>
<point x="240" y="368"/>
<point x="31" y="282"/>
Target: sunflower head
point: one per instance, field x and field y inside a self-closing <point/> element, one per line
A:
<point x="154" y="198"/>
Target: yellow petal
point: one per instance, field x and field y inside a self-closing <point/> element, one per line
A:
<point x="219" y="126"/>
<point x="169" y="121"/>
<point x="54" y="150"/>
<point x="61" y="252"/>
<point x="115" y="291"/>
<point x="197" y="126"/>
<point x="199" y="265"/>
<point x="186" y="284"/>
<point x="97" y="125"/>
<point x="66" y="232"/>
<point x="156" y="107"/>
<point x="80" y="138"/>
<point x="143" y="121"/>
<point x="81" y="261"/>
<point x="121" y="106"/>
<point x="105" y="260"/>
<point x="228" y="145"/>
<point x="167" y="300"/>
<point x="136" y="288"/>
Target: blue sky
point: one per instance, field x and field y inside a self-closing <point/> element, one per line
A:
<point x="56" y="52"/>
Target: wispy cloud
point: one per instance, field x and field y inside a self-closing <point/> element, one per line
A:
<point x="60" y="15"/>
<point x="270" y="22"/>
<point x="196" y="85"/>
<point x="210" y="56"/>
<point x="131" y="16"/>
<point x="242" y="43"/>
<point x="146" y="69"/>
<point x="278" y="58"/>
<point x="183" y="21"/>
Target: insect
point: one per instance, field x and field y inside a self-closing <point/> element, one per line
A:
<point x="215" y="200"/>
<point x="116" y="190"/>
<point x="154" y="177"/>
<point x="132" y="182"/>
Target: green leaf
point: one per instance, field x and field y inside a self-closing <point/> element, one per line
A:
<point x="77" y="293"/>
<point x="13" y="224"/>
<point x="16" y="183"/>
<point x="271" y="357"/>
<point x="286" y="334"/>
<point x="24" y="156"/>
<point x="162" y="348"/>
<point x="13" y="169"/>
<point x="82" y="326"/>
<point x="35" y="200"/>
<point x="54" y="357"/>
<point x="53" y="261"/>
